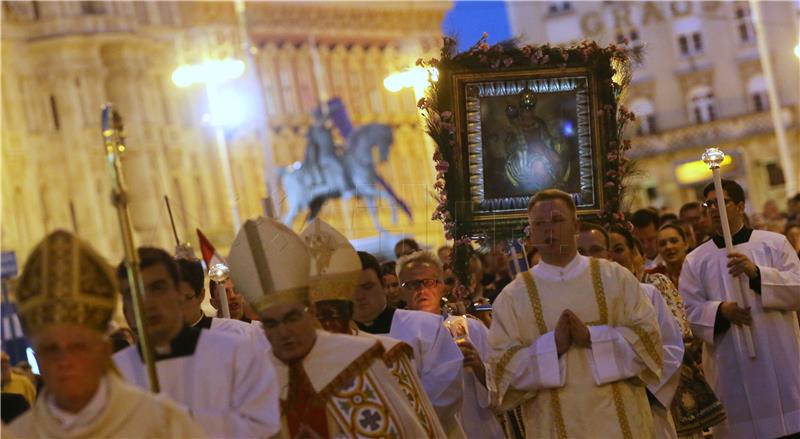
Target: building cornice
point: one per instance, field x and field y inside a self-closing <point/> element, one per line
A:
<point x="707" y="134"/>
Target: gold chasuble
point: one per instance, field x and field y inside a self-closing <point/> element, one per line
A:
<point x="594" y="392"/>
<point x="345" y="377"/>
<point x="399" y="358"/>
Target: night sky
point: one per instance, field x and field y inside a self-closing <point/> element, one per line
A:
<point x="469" y="19"/>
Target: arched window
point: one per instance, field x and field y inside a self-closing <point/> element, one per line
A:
<point x="645" y="116"/>
<point x="757" y="93"/>
<point x="701" y="104"/>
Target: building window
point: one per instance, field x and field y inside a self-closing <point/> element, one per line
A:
<point x="744" y="24"/>
<point x="757" y="91"/>
<point x="645" y="117"/>
<point x="690" y="44"/>
<point x="701" y="105"/>
<point x="632" y="36"/>
<point x="775" y="175"/>
<point x="556" y="8"/>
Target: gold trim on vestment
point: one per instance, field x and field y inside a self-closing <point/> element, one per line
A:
<point x="397" y="351"/>
<point x="503" y="363"/>
<point x="333" y="286"/>
<point x="536" y="303"/>
<point x="599" y="293"/>
<point x="619" y="404"/>
<point x="649" y="346"/>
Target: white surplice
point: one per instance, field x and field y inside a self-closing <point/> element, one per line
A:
<point x="252" y="331"/>
<point x="672" y="351"/>
<point x="229" y="388"/>
<point x="586" y="392"/>
<point x="438" y="362"/>
<point x="477" y="415"/>
<point x="761" y="395"/>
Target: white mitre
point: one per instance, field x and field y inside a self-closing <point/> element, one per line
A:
<point x="269" y="264"/>
<point x="335" y="265"/>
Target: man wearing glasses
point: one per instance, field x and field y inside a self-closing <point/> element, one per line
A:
<point x="438" y="361"/>
<point x="761" y="395"/>
<point x="421" y="277"/>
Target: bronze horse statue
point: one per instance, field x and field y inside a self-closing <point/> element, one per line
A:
<point x="309" y="185"/>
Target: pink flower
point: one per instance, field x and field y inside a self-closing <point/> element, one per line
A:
<point x="610" y="184"/>
<point x="442" y="166"/>
<point x="483" y="46"/>
<point x="507" y="61"/>
<point x="446" y="114"/>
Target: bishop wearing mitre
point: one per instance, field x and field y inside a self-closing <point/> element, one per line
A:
<point x="335" y="271"/>
<point x="332" y="385"/>
<point x="67" y="295"/>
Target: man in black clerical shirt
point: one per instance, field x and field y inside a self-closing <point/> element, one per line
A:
<point x="371" y="312"/>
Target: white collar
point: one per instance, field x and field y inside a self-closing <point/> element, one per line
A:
<point x="87" y="414"/>
<point x="555" y="273"/>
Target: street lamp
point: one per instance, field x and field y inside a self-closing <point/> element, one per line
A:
<point x="417" y="78"/>
<point x="224" y="111"/>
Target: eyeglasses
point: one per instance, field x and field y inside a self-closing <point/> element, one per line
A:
<point x="414" y="285"/>
<point x="713" y="203"/>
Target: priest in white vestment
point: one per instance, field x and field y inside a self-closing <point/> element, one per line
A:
<point x="228" y="385"/>
<point x="761" y="395"/>
<point x="437" y="359"/>
<point x="421" y="279"/>
<point x="332" y="385"/>
<point x="66" y="297"/>
<point x="573" y="339"/>
<point x="593" y="241"/>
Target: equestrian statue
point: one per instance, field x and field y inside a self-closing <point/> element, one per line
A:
<point x="326" y="174"/>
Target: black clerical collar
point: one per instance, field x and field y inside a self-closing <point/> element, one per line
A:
<point x="203" y="323"/>
<point x="246" y="320"/>
<point x="740" y="237"/>
<point x="382" y="323"/>
<point x="183" y="345"/>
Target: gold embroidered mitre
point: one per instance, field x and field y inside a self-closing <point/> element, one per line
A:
<point x="66" y="281"/>
<point x="335" y="266"/>
<point x="269" y="264"/>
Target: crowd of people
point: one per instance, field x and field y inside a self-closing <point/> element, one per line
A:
<point x="635" y="329"/>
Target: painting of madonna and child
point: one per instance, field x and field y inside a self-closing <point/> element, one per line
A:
<point x="533" y="134"/>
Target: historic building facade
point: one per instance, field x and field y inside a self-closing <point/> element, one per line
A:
<point x="62" y="60"/>
<point x="701" y="84"/>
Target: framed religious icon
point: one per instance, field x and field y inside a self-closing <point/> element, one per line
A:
<point x="510" y="122"/>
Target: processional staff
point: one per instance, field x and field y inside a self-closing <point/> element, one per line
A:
<point x="713" y="157"/>
<point x="220" y="273"/>
<point x="114" y="142"/>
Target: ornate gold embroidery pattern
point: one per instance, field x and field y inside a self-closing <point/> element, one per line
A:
<point x="620" y="406"/>
<point x="362" y="409"/>
<point x="599" y="293"/>
<point x="536" y="303"/>
<point x="649" y="346"/>
<point x="400" y="369"/>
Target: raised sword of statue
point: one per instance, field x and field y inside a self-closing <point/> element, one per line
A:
<point x="713" y="157"/>
<point x="114" y="143"/>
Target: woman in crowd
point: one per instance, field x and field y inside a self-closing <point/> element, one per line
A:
<point x="695" y="406"/>
<point x="792" y="233"/>
<point x="672" y="246"/>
